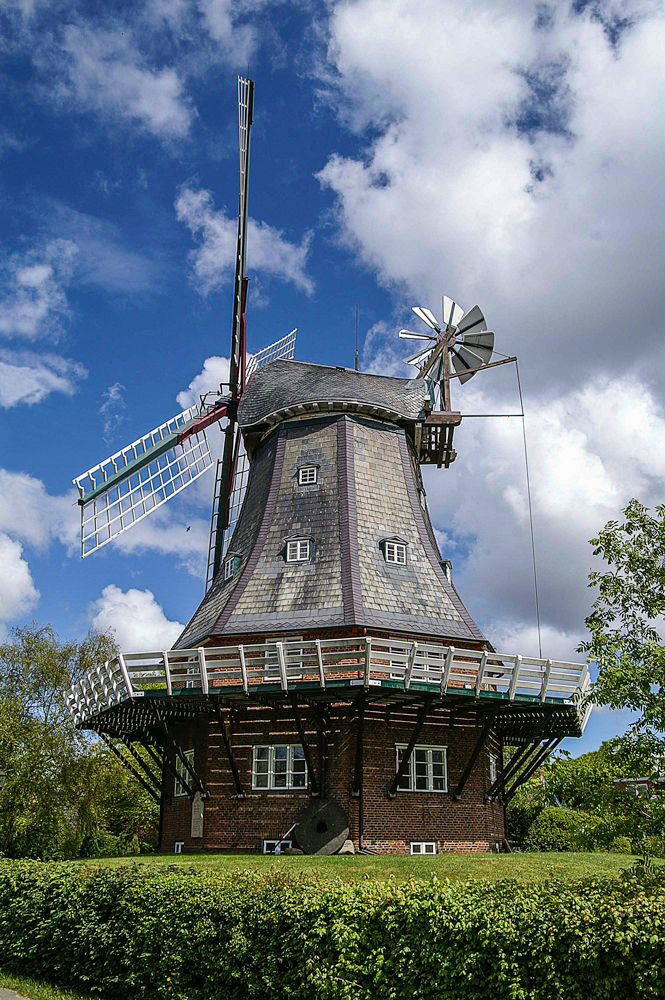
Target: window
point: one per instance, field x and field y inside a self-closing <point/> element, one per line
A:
<point x="426" y="771"/>
<point x="423" y="847"/>
<point x="230" y="566"/>
<point x="494" y="768"/>
<point x="192" y="670"/>
<point x="395" y="552"/>
<point x="276" y="846"/>
<point x="298" y="550"/>
<point x="307" y="475"/>
<point x="279" y="768"/>
<point x="183" y="773"/>
<point x="178" y="846"/>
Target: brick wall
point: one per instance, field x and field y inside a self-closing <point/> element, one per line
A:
<point x="236" y="824"/>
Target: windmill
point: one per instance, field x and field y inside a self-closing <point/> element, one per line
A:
<point x="129" y="485"/>
<point x="462" y="337"/>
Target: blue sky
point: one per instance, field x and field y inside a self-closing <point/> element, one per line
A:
<point x="505" y="153"/>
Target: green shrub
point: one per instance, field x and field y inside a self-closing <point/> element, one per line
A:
<point x="151" y="932"/>
<point x="621" y="845"/>
<point x="556" y="829"/>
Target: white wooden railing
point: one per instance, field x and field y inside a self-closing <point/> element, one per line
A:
<point x="357" y="661"/>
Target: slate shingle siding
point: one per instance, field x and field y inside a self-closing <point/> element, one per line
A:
<point x="367" y="490"/>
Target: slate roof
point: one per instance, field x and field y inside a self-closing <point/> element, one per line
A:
<point x="369" y="488"/>
<point x="284" y="384"/>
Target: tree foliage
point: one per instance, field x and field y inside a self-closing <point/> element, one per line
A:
<point x="63" y="787"/>
<point x="627" y="620"/>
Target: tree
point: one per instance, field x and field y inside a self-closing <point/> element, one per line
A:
<point x="62" y="785"/>
<point x="627" y="620"/>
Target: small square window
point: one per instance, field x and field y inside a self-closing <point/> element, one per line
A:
<point x="395" y="553"/>
<point x="276" y="846"/>
<point x="423" y="847"/>
<point x="229" y="567"/>
<point x="178" y="846"/>
<point x="298" y="550"/>
<point x="307" y="475"/>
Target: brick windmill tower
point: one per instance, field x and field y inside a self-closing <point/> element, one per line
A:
<point x="331" y="686"/>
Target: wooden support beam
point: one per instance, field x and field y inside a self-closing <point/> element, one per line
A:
<point x="360" y="739"/>
<point x="172" y="744"/>
<point x="532" y="766"/>
<point x="121" y="757"/>
<point x="401" y="770"/>
<point x="459" y="787"/>
<point x="226" y="739"/>
<point x="155" y="779"/>
<point x="314" y="784"/>
<point x="516" y="761"/>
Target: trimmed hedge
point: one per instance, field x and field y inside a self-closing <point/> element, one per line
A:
<point x="147" y="932"/>
<point x="557" y="829"/>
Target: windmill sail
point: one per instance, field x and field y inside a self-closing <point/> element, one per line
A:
<point x="127" y="486"/>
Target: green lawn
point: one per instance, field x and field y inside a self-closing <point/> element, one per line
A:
<point x="525" y="867"/>
<point x="35" y="989"/>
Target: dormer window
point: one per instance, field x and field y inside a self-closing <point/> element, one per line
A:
<point x="298" y="550"/>
<point x="230" y="566"/>
<point x="394" y="550"/>
<point x="308" y="475"/>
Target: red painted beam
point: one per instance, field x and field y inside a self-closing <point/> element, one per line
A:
<point x="211" y="416"/>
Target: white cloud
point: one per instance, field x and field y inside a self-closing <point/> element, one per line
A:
<point x="28" y="378"/>
<point x="32" y="290"/>
<point x="214" y="373"/>
<point x="268" y="250"/>
<point x="31" y="514"/>
<point x="105" y="72"/>
<point x="136" y="618"/>
<point x="590" y="451"/>
<point x="516" y="163"/>
<point x="111" y="409"/>
<point x="18" y="593"/>
<point x="177" y="529"/>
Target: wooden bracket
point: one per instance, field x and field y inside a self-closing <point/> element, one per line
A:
<point x="314" y="784"/>
<point x="459" y="788"/>
<point x="226" y="739"/>
<point x="401" y="770"/>
<point x="360" y="740"/>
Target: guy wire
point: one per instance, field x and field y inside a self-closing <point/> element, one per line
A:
<point x="528" y="493"/>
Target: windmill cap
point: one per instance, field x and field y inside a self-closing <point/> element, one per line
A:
<point x="284" y="389"/>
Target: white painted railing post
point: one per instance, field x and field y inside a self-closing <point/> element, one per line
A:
<point x="481" y="672"/>
<point x="282" y="666"/>
<point x="319" y="660"/>
<point x="243" y="669"/>
<point x="167" y="672"/>
<point x="409" y="666"/>
<point x="125" y="675"/>
<point x="368" y="659"/>
<point x="203" y="669"/>
<point x="546" y="680"/>
<point x="445" y="673"/>
<point x="513" y="680"/>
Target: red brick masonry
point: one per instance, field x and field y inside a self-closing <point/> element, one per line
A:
<point x="232" y="823"/>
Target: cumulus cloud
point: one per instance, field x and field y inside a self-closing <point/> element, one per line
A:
<point x="268" y="250"/>
<point x="590" y="450"/>
<point x="105" y="72"/>
<point x="138" y="621"/>
<point x="27" y="378"/>
<point x="520" y="169"/>
<point x="34" y="516"/>
<point x="18" y="593"/>
<point x="33" y="302"/>
<point x="215" y="372"/>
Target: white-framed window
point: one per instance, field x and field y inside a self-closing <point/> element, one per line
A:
<point x="178" y="846"/>
<point x="230" y="566"/>
<point x="279" y="768"/>
<point x="308" y="475"/>
<point x="423" y="847"/>
<point x="494" y="768"/>
<point x="427" y="770"/>
<point x="192" y="670"/>
<point x="395" y="552"/>
<point x="298" y="550"/>
<point x="271" y="846"/>
<point x="183" y="773"/>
